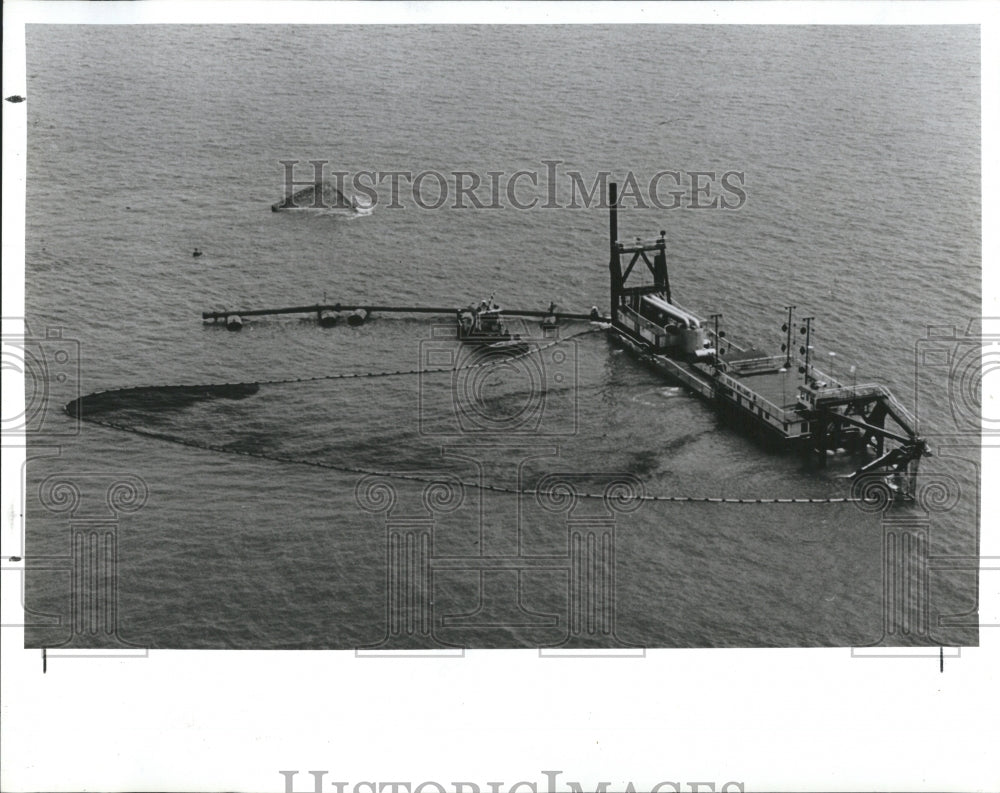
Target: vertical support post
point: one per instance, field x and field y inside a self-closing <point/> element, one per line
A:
<point x="876" y="417"/>
<point x="808" y="321"/>
<point x="660" y="274"/>
<point x="788" y="337"/>
<point x="615" y="264"/>
<point x="613" y="205"/>
<point x="715" y="320"/>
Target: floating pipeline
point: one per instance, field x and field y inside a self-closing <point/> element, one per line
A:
<point x="155" y="398"/>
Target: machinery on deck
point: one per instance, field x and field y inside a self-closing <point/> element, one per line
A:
<point x="483" y="324"/>
<point x="759" y="392"/>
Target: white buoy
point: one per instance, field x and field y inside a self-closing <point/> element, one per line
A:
<point x="357" y="317"/>
<point x="234" y="322"/>
<point x="327" y="318"/>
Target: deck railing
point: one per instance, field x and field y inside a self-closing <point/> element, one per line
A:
<point x="772" y="413"/>
<point x="851" y="391"/>
<point x="903" y="416"/>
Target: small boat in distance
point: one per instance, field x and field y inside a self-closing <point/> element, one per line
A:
<point x="483" y="324"/>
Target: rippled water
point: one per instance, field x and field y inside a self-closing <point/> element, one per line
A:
<point x="860" y="148"/>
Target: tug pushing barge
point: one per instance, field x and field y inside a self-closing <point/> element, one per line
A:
<point x="782" y="399"/>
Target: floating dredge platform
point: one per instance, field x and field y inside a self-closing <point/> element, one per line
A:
<point x="783" y="399"/>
